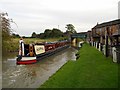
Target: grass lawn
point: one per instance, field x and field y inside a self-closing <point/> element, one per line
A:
<point x="91" y="70"/>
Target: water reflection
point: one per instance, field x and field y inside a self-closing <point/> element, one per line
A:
<point x="32" y="76"/>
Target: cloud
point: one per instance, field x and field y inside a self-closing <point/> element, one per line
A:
<point x="37" y="15"/>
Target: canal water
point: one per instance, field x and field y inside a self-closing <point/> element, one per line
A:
<point x="32" y="76"/>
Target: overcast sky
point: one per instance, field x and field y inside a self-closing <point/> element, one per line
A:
<point x="38" y="15"/>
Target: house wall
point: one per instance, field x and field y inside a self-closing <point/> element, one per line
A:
<point x="98" y="34"/>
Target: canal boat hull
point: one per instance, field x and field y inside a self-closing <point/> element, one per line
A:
<point x="30" y="60"/>
<point x="27" y="60"/>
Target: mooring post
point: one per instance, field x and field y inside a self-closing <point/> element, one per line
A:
<point x="114" y="54"/>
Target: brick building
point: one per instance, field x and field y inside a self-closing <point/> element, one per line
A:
<point x="109" y="30"/>
<point x="89" y="36"/>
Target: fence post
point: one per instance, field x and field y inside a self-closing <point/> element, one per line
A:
<point x="92" y="43"/>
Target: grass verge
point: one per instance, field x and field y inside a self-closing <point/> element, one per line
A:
<point x="91" y="70"/>
<point x="13" y="43"/>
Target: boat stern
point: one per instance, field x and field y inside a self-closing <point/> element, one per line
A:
<point x="27" y="60"/>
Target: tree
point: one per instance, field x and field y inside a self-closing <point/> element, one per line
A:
<point x="5" y="26"/>
<point x="47" y="33"/>
<point x="33" y="35"/>
<point x="41" y="35"/>
<point x="70" y="28"/>
<point x="56" y="33"/>
<point x="15" y="35"/>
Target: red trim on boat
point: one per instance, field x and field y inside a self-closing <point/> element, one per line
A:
<point x="27" y="62"/>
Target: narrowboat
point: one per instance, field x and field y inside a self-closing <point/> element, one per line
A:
<point x="32" y="53"/>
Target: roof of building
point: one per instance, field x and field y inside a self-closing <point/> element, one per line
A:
<point x="89" y="31"/>
<point x="114" y="22"/>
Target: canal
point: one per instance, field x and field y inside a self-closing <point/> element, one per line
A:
<point x="32" y="76"/>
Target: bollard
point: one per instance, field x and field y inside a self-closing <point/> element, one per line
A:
<point x="79" y="45"/>
<point x="114" y="54"/>
<point x="99" y="47"/>
<point x="103" y="50"/>
<point x="96" y="44"/>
